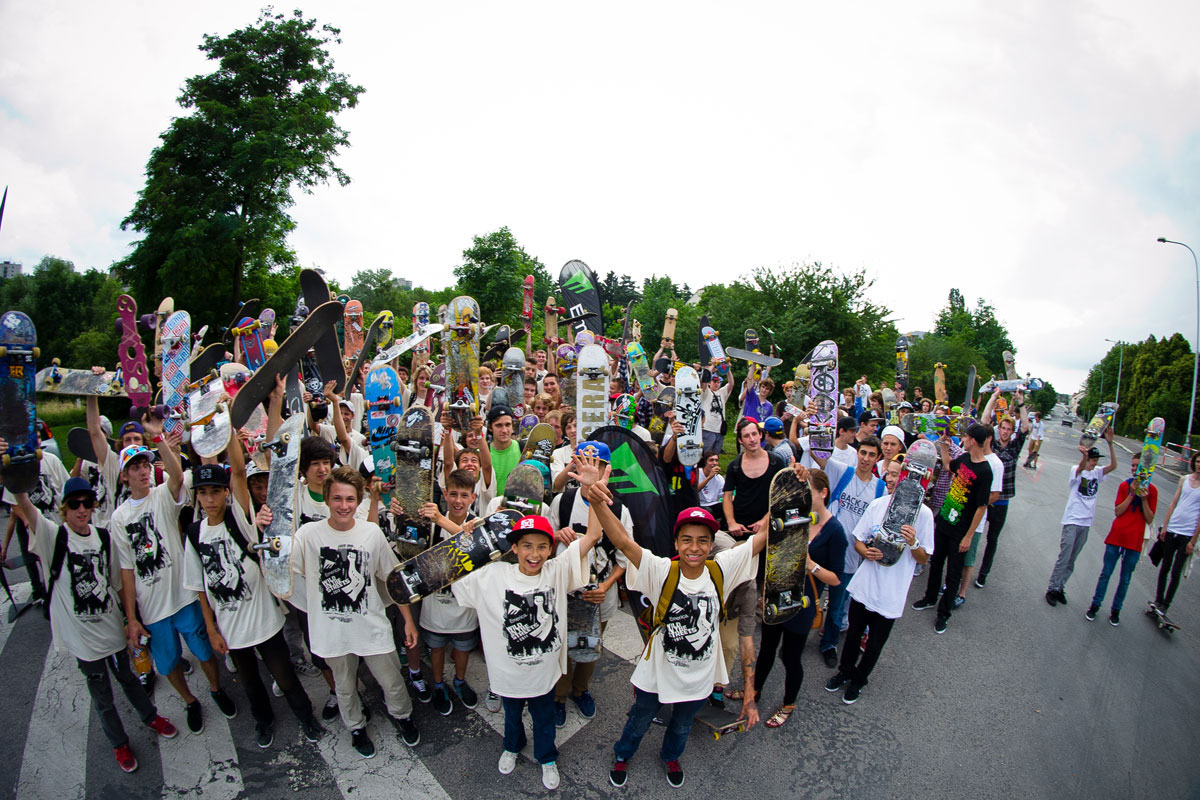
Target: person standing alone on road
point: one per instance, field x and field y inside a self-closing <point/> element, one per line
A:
<point x="1178" y="534"/>
<point x="1083" y="490"/>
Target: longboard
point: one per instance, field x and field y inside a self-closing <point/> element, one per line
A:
<point x="591" y="390"/>
<point x="1160" y="619"/>
<point x="823" y="392"/>
<point x="175" y="341"/>
<point x="19" y="467"/>
<point x="275" y="550"/>
<point x="690" y="444"/>
<point x="906" y="501"/>
<point x="444" y="563"/>
<point x="790" y="506"/>
<point x="1151" y="446"/>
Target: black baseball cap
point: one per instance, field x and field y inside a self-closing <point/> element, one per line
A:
<point x="496" y="412"/>
<point x="210" y="475"/>
<point x="869" y="416"/>
<point x="847" y="424"/>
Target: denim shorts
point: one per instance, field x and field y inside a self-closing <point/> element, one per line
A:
<point x="463" y="642"/>
<point x="187" y="622"/>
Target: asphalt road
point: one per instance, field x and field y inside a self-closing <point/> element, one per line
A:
<point x="1016" y="699"/>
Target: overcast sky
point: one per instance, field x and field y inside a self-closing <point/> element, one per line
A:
<point x="1026" y="152"/>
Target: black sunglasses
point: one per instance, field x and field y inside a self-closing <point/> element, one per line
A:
<point x="86" y="501"/>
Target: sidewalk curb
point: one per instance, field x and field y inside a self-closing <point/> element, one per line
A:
<point x="1126" y="448"/>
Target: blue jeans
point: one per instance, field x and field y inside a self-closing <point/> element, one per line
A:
<point x="835" y="615"/>
<point x="1129" y="559"/>
<point x="541" y="709"/>
<point x="642" y="712"/>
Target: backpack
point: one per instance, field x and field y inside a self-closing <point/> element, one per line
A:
<point x="60" y="556"/>
<point x="651" y="619"/>
<point x="844" y="481"/>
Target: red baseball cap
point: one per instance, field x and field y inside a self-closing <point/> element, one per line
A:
<point x="696" y="515"/>
<point x="533" y="523"/>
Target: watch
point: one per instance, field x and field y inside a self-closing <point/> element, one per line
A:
<point x="814" y="569"/>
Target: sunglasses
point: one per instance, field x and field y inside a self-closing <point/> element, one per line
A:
<point x="75" y="502"/>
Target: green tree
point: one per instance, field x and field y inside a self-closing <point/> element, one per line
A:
<point x="979" y="329"/>
<point x="213" y="212"/>
<point x="1044" y="399"/>
<point x="958" y="357"/>
<point x="493" y="272"/>
<point x="1156" y="381"/>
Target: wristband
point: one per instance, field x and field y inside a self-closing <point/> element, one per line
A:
<point x="157" y="439"/>
<point x="814" y="569"/>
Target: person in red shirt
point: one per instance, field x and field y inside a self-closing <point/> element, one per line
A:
<point x="1135" y="510"/>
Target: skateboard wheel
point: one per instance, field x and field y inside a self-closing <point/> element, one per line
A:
<point x="414" y="598"/>
<point x="37" y="352"/>
<point x="6" y="459"/>
<point x="494" y="555"/>
<point x="56" y="363"/>
<point x="119" y="326"/>
<point x="146" y="322"/>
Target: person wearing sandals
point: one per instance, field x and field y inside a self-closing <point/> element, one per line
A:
<point x="826" y="558"/>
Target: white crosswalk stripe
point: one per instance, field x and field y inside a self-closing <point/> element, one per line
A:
<point x="20" y="594"/>
<point x="55" y="759"/>
<point x="197" y="766"/>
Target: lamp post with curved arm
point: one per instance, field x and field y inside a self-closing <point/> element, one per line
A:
<point x="1196" y="349"/>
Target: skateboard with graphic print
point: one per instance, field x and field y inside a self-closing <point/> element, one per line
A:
<point x="789" y="508"/>
<point x="456" y="557"/>
<point x="275" y="549"/>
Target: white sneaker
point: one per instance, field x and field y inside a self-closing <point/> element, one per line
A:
<point x="229" y="665"/>
<point x="492" y="702"/>
<point x="508" y="762"/>
<point x="275" y="690"/>
<point x="550" y="775"/>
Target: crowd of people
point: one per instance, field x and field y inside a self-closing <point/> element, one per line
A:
<point x="158" y="550"/>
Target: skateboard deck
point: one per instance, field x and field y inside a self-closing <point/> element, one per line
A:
<point x="720" y="721"/>
<point x="902" y="361"/>
<point x="906" y="501"/>
<point x="259" y="387"/>
<point x="246" y="308"/>
<point x="414" y="341"/>
<point x="420" y="319"/>
<point x="801" y="379"/>
<point x="754" y="372"/>
<point x="275" y="549"/>
<point x="657" y="425"/>
<point x="971" y="376"/>
<point x="19" y="467"/>
<point x="205" y="360"/>
<point x="1012" y="385"/>
<point x="463" y="357"/>
<point x="550" y="314"/>
<point x="939" y="383"/>
<point x="354" y="328"/>
<point x="717" y="360"/>
<point x="823" y="392"/>
<point x="1160" y="619"/>
<point x="790" y="506"/>
<point x="668" y="331"/>
<point x="701" y="342"/>
<point x="326" y="363"/>
<point x="1010" y="366"/>
<point x="539" y="444"/>
<point x="175" y="340"/>
<point x="591" y="390"/>
<point x="756" y="358"/>
<point x="441" y="565"/>
<point x="1100" y="422"/>
<point x="501" y="341"/>
<point x="525" y="488"/>
<point x="527" y="311"/>
<point x="133" y="358"/>
<point x="249" y="335"/>
<point x="208" y="417"/>
<point x="382" y="393"/>
<point x="79" y="444"/>
<point x="641" y="369"/>
<point x="1151" y="446"/>
<point x="413" y="446"/>
<point x="567" y="361"/>
<point x="512" y="379"/>
<point x="80" y="382"/>
<point x="154" y="322"/>
<point x="525" y="426"/>
<point x="583" y="626"/>
<point x="623" y="409"/>
<point x="690" y="444"/>
<point x="934" y="423"/>
<point x="372" y="341"/>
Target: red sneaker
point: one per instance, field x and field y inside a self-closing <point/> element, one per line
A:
<point x="125" y="757"/>
<point x="163" y="727"/>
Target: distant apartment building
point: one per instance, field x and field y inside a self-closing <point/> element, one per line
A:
<point x="401" y="283"/>
<point x="10" y="269"/>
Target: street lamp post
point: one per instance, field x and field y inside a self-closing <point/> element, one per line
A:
<point x="1196" y="349"/>
<point x="1120" y="364"/>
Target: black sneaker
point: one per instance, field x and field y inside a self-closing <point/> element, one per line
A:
<point x="330" y="711"/>
<point x="195" y="717"/>
<point x="362" y="743"/>
<point x="424" y="692"/>
<point x="923" y="604"/>
<point x="1062" y="598"/>
<point x="560" y="714"/>
<point x="674" y="773"/>
<point x="312" y="729"/>
<point x="408" y="731"/>
<point x="940" y="625"/>
<point x="264" y="734"/>
<point x="838" y="680"/>
<point x="1052" y="597"/>
<point x="441" y="700"/>
<point x="465" y="693"/>
<point x="851" y="695"/>
<point x="1114" y="618"/>
<point x="1091" y="613"/>
<point x="224" y="703"/>
<point x="619" y="772"/>
<point x="980" y="580"/>
<point x="831" y="658"/>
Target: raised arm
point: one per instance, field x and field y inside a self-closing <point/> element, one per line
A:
<point x="95" y="432"/>
<point x="600" y="497"/>
<point x="166" y="453"/>
<point x="1112" y="451"/>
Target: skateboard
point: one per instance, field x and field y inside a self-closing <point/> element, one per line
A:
<point x="501" y="341"/>
<point x="641" y="369"/>
<point x="935" y="423"/>
<point x="382" y="393"/>
<point x="751" y="339"/>
<point x="902" y="361"/>
<point x="583" y="625"/>
<point x="623" y="409"/>
<point x="550" y="313"/>
<point x="1010" y="366"/>
<point x="79" y="444"/>
<point x="1100" y="422"/>
<point x="539" y="444"/>
<point x="657" y="425"/>
<point x="906" y="501"/>
<point x="591" y="390"/>
<point x="823" y="392"/>
<point x="206" y="360"/>
<point x="55" y="379"/>
<point x="275" y="549"/>
<point x="259" y="387"/>
<point x="154" y="322"/>
<point x="758" y="359"/>
<point x="720" y="721"/>
<point x="668" y="331"/>
<point x="133" y="358"/>
<point x="436" y="394"/>
<point x="414" y="341"/>
<point x="387" y="329"/>
<point x="512" y="379"/>
<point x="420" y="319"/>
<point x="1012" y="385"/>
<point x="326" y="362"/>
<point x="1150" y="449"/>
<point x="701" y="342"/>
<point x="717" y="360"/>
<point x="249" y="335"/>
<point x="527" y="312"/>
<point x="1160" y="618"/>
<point x="372" y="342"/>
<point x="939" y="383"/>
<point x="441" y="565"/>
<point x="567" y="361"/>
<point x="235" y="377"/>
<point x="352" y="321"/>
<point x="175" y="341"/>
<point x="19" y="467"/>
<point x="246" y="308"/>
<point x="208" y="418"/>
<point x="801" y="379"/>
<point x="293" y="391"/>
<point x="787" y="548"/>
<point x="525" y="488"/>
<point x="462" y="370"/>
<point x="525" y="425"/>
<point x="413" y="447"/>
<point x="690" y="443"/>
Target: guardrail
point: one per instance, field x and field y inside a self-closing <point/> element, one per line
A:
<point x="1180" y="453"/>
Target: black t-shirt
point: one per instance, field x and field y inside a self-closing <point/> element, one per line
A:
<point x="751" y="495"/>
<point x="970" y="486"/>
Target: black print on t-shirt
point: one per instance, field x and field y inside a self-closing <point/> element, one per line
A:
<point x="530" y="624"/>
<point x="223" y="573"/>
<point x="149" y="557"/>
<point x="688" y="627"/>
<point x="345" y="577"/>
<point x="1088" y="487"/>
<point x="89" y="585"/>
<point x="42" y="497"/>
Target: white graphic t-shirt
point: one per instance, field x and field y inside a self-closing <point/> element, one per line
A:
<point x="522" y="621"/>
<point x="884" y="589"/>
<point x="311" y="510"/>
<point x="146" y="535"/>
<point x="441" y="612"/>
<point x="686" y="658"/>
<point x="1083" y="491"/>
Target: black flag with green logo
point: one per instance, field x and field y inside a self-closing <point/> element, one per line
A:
<point x="581" y="293"/>
<point x="638" y="479"/>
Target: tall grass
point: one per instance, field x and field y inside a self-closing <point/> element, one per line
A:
<point x="60" y="411"/>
